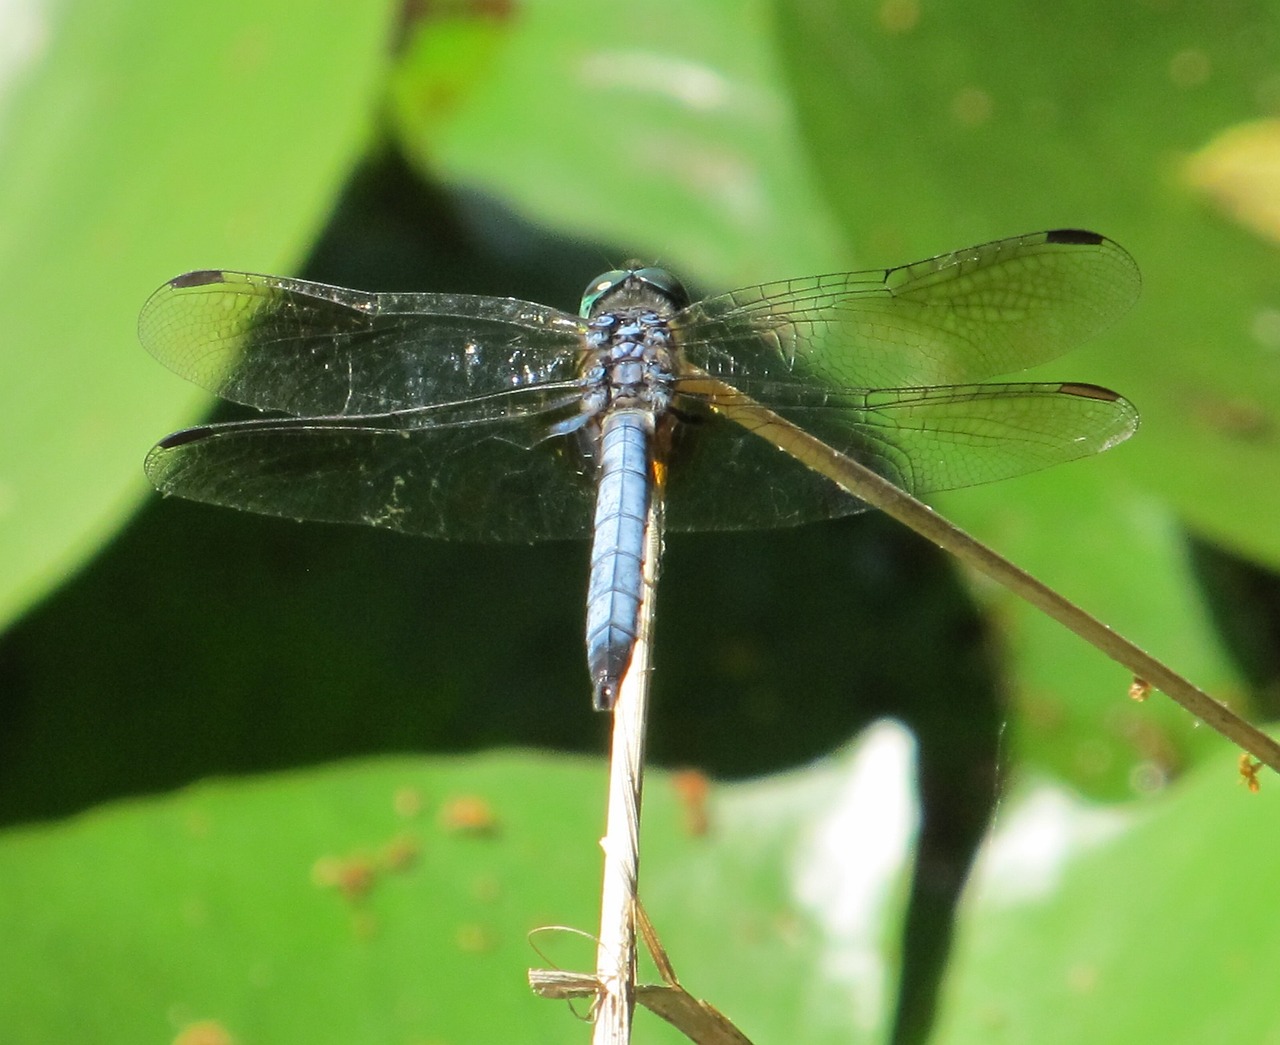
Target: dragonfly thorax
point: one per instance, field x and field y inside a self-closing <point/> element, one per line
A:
<point x="629" y="366"/>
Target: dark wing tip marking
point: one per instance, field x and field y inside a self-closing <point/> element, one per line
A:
<point x="199" y="278"/>
<point x="1075" y="388"/>
<point x="187" y="435"/>
<point x="1080" y="237"/>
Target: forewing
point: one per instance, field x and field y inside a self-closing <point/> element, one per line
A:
<point x="958" y="318"/>
<point x="310" y="349"/>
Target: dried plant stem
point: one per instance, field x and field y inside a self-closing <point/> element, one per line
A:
<point x="616" y="952"/>
<point x="878" y="492"/>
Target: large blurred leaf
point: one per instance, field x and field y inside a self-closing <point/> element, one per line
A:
<point x="1120" y="553"/>
<point x="1103" y="148"/>
<point x="142" y="139"/>
<point x="1155" y="922"/>
<point x="390" y="901"/>
<point x="665" y="129"/>
<point x="960" y="123"/>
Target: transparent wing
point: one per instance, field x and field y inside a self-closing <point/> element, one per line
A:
<point x="504" y="481"/>
<point x="469" y="481"/>
<point x="435" y="409"/>
<point x="310" y="349"/>
<point x="921" y="439"/>
<point x="962" y="317"/>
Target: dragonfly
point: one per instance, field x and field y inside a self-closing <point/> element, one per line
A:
<point x="478" y="418"/>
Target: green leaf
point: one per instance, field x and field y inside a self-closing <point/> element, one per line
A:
<point x="391" y="901"/>
<point x="943" y="126"/>
<point x="678" y="143"/>
<point x="143" y="139"/>
<point x="963" y="123"/>
<point x="1121" y="554"/>
<point x="1154" y="921"/>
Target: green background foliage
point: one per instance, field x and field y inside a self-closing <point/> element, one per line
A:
<point x="316" y="673"/>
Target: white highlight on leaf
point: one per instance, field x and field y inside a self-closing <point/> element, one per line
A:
<point x="24" y="36"/>
<point x="854" y="863"/>
<point x="1027" y="854"/>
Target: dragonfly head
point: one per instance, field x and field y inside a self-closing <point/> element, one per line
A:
<point x="634" y="287"/>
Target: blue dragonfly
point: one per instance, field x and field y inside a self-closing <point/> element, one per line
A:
<point x="493" y="419"/>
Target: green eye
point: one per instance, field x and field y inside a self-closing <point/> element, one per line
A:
<point x="600" y="287"/>
<point x="665" y="284"/>
<point x="656" y="281"/>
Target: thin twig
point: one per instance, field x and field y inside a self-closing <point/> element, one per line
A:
<point x="616" y="951"/>
<point x="697" y="1020"/>
<point x="878" y="492"/>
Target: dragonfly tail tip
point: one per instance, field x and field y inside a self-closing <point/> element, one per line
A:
<point x="605" y="693"/>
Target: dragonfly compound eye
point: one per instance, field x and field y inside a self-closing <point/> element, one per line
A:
<point x="601" y="287"/>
